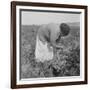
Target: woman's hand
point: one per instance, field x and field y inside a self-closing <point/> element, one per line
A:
<point x="50" y="48"/>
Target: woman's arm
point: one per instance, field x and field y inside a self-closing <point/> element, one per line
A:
<point x="42" y="39"/>
<point x="53" y="44"/>
<point x="41" y="34"/>
<point x="53" y="40"/>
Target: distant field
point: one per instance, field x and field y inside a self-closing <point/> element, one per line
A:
<point x="67" y="65"/>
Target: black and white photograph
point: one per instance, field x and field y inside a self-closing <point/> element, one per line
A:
<point x="49" y="44"/>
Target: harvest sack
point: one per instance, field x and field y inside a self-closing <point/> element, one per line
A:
<point x="42" y="53"/>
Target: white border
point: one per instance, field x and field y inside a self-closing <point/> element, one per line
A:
<point x="58" y="79"/>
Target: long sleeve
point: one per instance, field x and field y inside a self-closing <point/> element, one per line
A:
<point x="43" y="34"/>
<point x="54" y="34"/>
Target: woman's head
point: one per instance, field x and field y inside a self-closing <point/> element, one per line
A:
<point x="65" y="29"/>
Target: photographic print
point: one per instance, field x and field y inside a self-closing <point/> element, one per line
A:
<point x="49" y="46"/>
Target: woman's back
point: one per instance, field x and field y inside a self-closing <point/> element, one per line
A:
<point x="49" y="31"/>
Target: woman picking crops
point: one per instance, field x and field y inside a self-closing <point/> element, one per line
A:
<point x="47" y="38"/>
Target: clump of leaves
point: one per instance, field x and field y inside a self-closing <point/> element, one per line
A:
<point x="67" y="65"/>
<point x="72" y="66"/>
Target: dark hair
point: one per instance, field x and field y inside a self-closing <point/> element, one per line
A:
<point x="65" y="29"/>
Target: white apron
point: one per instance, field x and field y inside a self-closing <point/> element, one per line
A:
<point x="42" y="53"/>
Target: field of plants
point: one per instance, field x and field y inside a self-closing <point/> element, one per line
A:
<point x="65" y="63"/>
